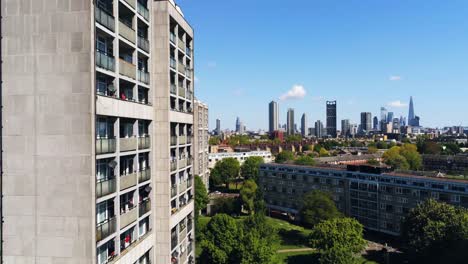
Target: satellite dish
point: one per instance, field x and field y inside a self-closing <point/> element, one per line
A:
<point x="112" y="164"/>
<point x="112" y="88"/>
<point x="148" y="189"/>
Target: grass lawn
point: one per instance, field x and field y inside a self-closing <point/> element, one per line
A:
<point x="291" y="236"/>
<point x="309" y="258"/>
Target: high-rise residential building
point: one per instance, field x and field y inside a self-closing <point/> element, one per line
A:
<point x="354" y="130"/>
<point x="396" y="125"/>
<point x="290" y="130"/>
<point x="304" y="130"/>
<point x="375" y="125"/>
<point x="366" y="122"/>
<point x="238" y="125"/>
<point x="200" y="142"/>
<point x="319" y="129"/>
<point x="383" y="119"/>
<point x="273" y="116"/>
<point x="97" y="100"/>
<point x="331" y="118"/>
<point x="345" y="128"/>
<point x="218" y="127"/>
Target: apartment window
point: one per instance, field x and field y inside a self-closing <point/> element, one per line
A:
<point x="126" y="165"/>
<point x="143" y="227"/>
<point x="101" y="44"/>
<point x="127" y="202"/>
<point x="143" y="161"/>
<point x="127" y="238"/>
<point x="142" y="95"/>
<point x="126" y="129"/>
<point x="455" y="198"/>
<point x="101" y="86"/>
<point x="106" y="252"/>
<point x="104" y="211"/>
<point x="104" y="170"/>
<point x="399" y="190"/>
<point x="104" y="128"/>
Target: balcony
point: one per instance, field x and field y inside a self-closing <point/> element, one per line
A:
<point x="182" y="163"/>
<point x="104" y="18"/>
<point x="183" y="233"/>
<point x="189" y="183"/>
<point x="126" y="32"/>
<point x="174" y="241"/>
<point x="173" y="165"/>
<point x="127" y="69"/>
<point x="143" y="77"/>
<point x="189" y="139"/>
<point x="172" y="37"/>
<point x="181" y="68"/>
<point x="190" y="247"/>
<point x="189" y="225"/>
<point x="189" y="161"/>
<point x="182" y="187"/>
<point x="183" y="257"/>
<point x="143" y="44"/>
<point x="144" y="142"/>
<point x="173" y="63"/>
<point x="143" y="11"/>
<point x="173" y="140"/>
<point x="105" y="61"/>
<point x="127" y="181"/>
<point x="128" y="217"/>
<point x="181" y="91"/>
<point x="173" y="191"/>
<point x="128" y="144"/>
<point x="188" y="51"/>
<point x="144" y="175"/>
<point x="189" y="95"/>
<point x="105" y="229"/>
<point x="188" y="73"/>
<point x="182" y="140"/>
<point x="106" y="187"/>
<point x="130" y="2"/>
<point x="181" y="45"/>
<point x="105" y="145"/>
<point x="144" y="207"/>
<point x="173" y="89"/>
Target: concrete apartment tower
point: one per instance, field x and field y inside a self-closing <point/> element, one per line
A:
<point x="97" y="122"/>
<point x="273" y="115"/>
<point x="200" y="147"/>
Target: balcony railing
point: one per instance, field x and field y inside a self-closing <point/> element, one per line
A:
<point x="127" y="69"/>
<point x="143" y="77"/>
<point x="128" y="217"/>
<point x="189" y="183"/>
<point x="172" y="37"/>
<point x="105" y="229"/>
<point x="126" y="32"/>
<point x="181" y="68"/>
<point x="143" y="44"/>
<point x="181" y="45"/>
<point x="173" y="63"/>
<point x="104" y="18"/>
<point x="182" y="163"/>
<point x="144" y="142"/>
<point x="181" y="91"/>
<point x="174" y="240"/>
<point x="143" y="11"/>
<point x="105" y="145"/>
<point x="145" y="207"/>
<point x="128" y="144"/>
<point x="189" y="161"/>
<point x="189" y="95"/>
<point x="106" y="187"/>
<point x="173" y="191"/>
<point x="173" y="89"/>
<point x="130" y="2"/>
<point x="173" y="165"/>
<point x="105" y="61"/>
<point x="182" y="140"/>
<point x="188" y="51"/>
<point x="182" y="187"/>
<point x="189" y="139"/>
<point x="173" y="140"/>
<point x="127" y="181"/>
<point x="189" y="225"/>
<point x="144" y="175"/>
<point x="188" y="73"/>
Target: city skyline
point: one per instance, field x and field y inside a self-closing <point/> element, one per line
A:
<point x="398" y="51"/>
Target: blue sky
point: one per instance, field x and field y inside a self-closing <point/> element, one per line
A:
<point x="363" y="53"/>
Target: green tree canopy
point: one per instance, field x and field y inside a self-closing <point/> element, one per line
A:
<point x="324" y="153"/>
<point x="451" y="149"/>
<point x="404" y="157"/>
<point x="437" y="233"/>
<point x="293" y="139"/>
<point x="201" y="195"/>
<point x="248" y="193"/>
<point x="250" y="168"/>
<point x="284" y="156"/>
<point x="372" y="150"/>
<point x="381" y="145"/>
<point x="373" y="162"/>
<point x="344" y="233"/>
<point x="337" y="255"/>
<point x="317" y="206"/>
<point x="214" y="141"/>
<point x="226" y="170"/>
<point x="305" y="160"/>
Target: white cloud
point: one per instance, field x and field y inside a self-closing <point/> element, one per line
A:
<point x="394" y="78"/>
<point x="296" y="92"/>
<point x="396" y="103"/>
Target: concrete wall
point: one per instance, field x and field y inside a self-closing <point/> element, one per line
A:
<point x="48" y="131"/>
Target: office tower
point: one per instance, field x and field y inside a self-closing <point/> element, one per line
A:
<point x="366" y="122"/>
<point x="200" y="141"/>
<point x="238" y="125"/>
<point x="345" y="128"/>
<point x="396" y="126"/>
<point x="413" y="120"/>
<point x="390" y="117"/>
<point x="90" y="105"/>
<point x="375" y="124"/>
<point x="331" y="118"/>
<point x="304" y="131"/>
<point x="383" y="119"/>
<point x="354" y="129"/>
<point x="273" y="116"/>
<point x="218" y="127"/>
<point x="319" y="129"/>
<point x="290" y="122"/>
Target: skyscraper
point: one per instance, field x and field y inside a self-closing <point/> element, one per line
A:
<point x="383" y="119"/>
<point x="376" y="123"/>
<point x="366" y="122"/>
<point x="331" y="118"/>
<point x="238" y="125"/>
<point x="273" y="116"/>
<point x="390" y="117"/>
<point x="98" y="171"/>
<point x="411" y="112"/>
<point x="218" y="127"/>
<point x="345" y="128"/>
<point x="319" y="129"/>
<point x="290" y="122"/>
<point x="304" y="130"/>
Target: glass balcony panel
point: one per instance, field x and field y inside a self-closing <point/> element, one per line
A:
<point x="143" y="77"/>
<point x="105" y="229"/>
<point x="104" y="18"/>
<point x="105" y="145"/>
<point x="144" y="175"/>
<point x="106" y="187"/>
<point x="143" y="11"/>
<point x="105" y="61"/>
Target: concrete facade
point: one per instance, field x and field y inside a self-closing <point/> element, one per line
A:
<point x="88" y="118"/>
<point x="201" y="147"/>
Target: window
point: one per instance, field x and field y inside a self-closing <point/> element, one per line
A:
<point x="101" y="44"/>
<point x="104" y="128"/>
<point x="104" y="211"/>
<point x="106" y="252"/>
<point x="455" y="198"/>
<point x="398" y="190"/>
<point x="103" y="170"/>
<point x="435" y="195"/>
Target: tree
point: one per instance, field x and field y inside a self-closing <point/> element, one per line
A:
<point x="317" y="206"/>
<point x="437" y="233"/>
<point x="324" y="153"/>
<point x="214" y="141"/>
<point x="412" y="156"/>
<point x="226" y="170"/>
<point x="284" y="156"/>
<point x="307" y="148"/>
<point x="220" y="240"/>
<point x="451" y="149"/>
<point x="293" y="139"/>
<point x="305" y="160"/>
<point x="248" y="193"/>
<point x="201" y="195"/>
<point x="250" y="168"/>
<point x="372" y="150"/>
<point x="429" y="147"/>
<point x="336" y="236"/>
<point x="373" y="162"/>
<point x="226" y="205"/>
<point x="393" y="158"/>
<point x="337" y="255"/>
<point x="381" y="145"/>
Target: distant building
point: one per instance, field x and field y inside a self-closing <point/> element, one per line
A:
<point x="290" y="122"/>
<point x="319" y="129"/>
<point x="273" y="116"/>
<point x="390" y="117"/>
<point x="218" y="127"/>
<point x="238" y="125"/>
<point x="304" y="130"/>
<point x="366" y="122"/>
<point x="376" y="124"/>
<point x="240" y="156"/>
<point x="331" y="119"/>
<point x="277" y="134"/>
<point x="200" y="146"/>
<point x="413" y="120"/>
<point x="345" y="128"/>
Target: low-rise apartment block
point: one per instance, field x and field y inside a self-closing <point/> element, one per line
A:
<point x="240" y="156"/>
<point x="377" y="197"/>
